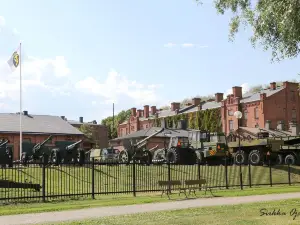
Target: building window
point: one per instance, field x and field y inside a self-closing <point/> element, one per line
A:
<point x="245" y="115"/>
<point x="256" y="113"/>
<point x="293" y="97"/>
<point x="294" y="115"/>
<point x="146" y="126"/>
<point x="230" y="125"/>
<point x="230" y="112"/>
<point x="132" y="128"/>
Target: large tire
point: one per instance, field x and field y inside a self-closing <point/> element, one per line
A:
<point x="279" y="159"/>
<point x="290" y="159"/>
<point x="255" y="157"/>
<point x="240" y="157"/>
<point x="147" y="157"/>
<point x="55" y="159"/>
<point x="124" y="157"/>
<point x="173" y="156"/>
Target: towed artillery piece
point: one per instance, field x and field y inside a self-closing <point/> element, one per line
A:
<point x="68" y="154"/>
<point x="38" y="153"/>
<point x="6" y="154"/>
<point x="137" y="151"/>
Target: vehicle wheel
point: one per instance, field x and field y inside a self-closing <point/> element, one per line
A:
<point x="123" y="157"/>
<point x="147" y="157"/>
<point x="240" y="157"/>
<point x="290" y="159"/>
<point x="255" y="157"/>
<point x="173" y="156"/>
<point x="24" y="159"/>
<point x="279" y="159"/>
<point x="55" y="158"/>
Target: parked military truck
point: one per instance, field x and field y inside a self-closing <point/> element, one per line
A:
<point x="6" y="154"/>
<point x="37" y="154"/>
<point x="67" y="153"/>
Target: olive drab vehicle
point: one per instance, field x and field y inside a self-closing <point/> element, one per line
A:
<point x="67" y="153"/>
<point x="6" y="154"/>
<point x="37" y="154"/>
<point x="254" y="151"/>
<point x="211" y="148"/>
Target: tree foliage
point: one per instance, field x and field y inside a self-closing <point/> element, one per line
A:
<point x="113" y="127"/>
<point x="87" y="130"/>
<point x="275" y="23"/>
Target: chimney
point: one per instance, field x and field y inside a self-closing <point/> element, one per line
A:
<point x="146" y="111"/>
<point x="163" y="123"/>
<point x="63" y="117"/>
<point x="133" y="112"/>
<point x="218" y="97"/>
<point x="25" y="113"/>
<point x="237" y="92"/>
<point x="196" y="101"/>
<point x="81" y="119"/>
<point x="175" y="105"/>
<point x="139" y="113"/>
<point x="268" y="125"/>
<point x="263" y="96"/>
<point x="182" y="124"/>
<point x="294" y="128"/>
<point x="280" y="125"/>
<point x="273" y="86"/>
<point x="153" y="110"/>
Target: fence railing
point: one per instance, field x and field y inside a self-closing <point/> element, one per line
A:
<point x="40" y="182"/>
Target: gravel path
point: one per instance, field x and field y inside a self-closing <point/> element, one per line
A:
<point x="50" y="217"/>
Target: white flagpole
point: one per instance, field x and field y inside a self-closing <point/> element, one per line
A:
<point x="21" y="139"/>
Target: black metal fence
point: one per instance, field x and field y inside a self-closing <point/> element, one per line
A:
<point x="39" y="182"/>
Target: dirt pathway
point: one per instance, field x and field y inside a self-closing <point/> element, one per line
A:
<point x="50" y="217"/>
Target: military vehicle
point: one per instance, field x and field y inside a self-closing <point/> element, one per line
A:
<point x="110" y="155"/>
<point x="210" y="148"/>
<point x="37" y="154"/>
<point x="137" y="151"/>
<point x="67" y="154"/>
<point x="6" y="154"/>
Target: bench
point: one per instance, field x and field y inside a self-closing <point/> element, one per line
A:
<point x="192" y="185"/>
<point x="166" y="187"/>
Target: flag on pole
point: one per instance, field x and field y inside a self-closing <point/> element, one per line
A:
<point x="14" y="60"/>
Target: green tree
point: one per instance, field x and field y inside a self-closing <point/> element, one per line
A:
<point x="87" y="130"/>
<point x="112" y="125"/>
<point x="275" y="23"/>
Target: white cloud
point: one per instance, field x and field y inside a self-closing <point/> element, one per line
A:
<point x="15" y="31"/>
<point x="191" y="45"/>
<point x="169" y="45"/>
<point x="245" y="89"/>
<point x="2" y="21"/>
<point x="116" y="88"/>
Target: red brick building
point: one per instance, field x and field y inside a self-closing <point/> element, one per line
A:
<point x="35" y="129"/>
<point x="99" y="133"/>
<point x="275" y="108"/>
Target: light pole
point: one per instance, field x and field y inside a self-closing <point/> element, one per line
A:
<point x="238" y="115"/>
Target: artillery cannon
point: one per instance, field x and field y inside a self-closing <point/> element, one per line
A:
<point x="137" y="151"/>
<point x="37" y="153"/>
<point x="68" y="154"/>
<point x="6" y="155"/>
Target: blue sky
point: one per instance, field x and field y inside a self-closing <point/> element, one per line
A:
<point x="80" y="56"/>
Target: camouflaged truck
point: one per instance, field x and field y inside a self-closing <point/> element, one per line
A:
<point x="213" y="147"/>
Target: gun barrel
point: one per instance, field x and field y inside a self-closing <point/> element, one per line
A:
<point x="3" y="143"/>
<point x="74" y="144"/>
<point x="147" y="138"/>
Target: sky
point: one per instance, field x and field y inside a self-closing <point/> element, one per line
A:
<point x="79" y="57"/>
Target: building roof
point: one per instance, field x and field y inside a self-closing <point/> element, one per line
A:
<point x="75" y="122"/>
<point x="147" y="132"/>
<point x="251" y="97"/>
<point x="38" y="124"/>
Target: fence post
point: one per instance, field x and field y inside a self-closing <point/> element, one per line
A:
<point x="199" y="175"/>
<point x="249" y="172"/>
<point x="133" y="178"/>
<point x="44" y="180"/>
<point x="226" y="172"/>
<point x="289" y="173"/>
<point x="169" y="176"/>
<point x="241" y="177"/>
<point x="270" y="167"/>
<point x="93" y="178"/>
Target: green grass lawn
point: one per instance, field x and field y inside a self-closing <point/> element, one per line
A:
<point x="243" y="214"/>
<point x="109" y="200"/>
<point x="65" y="180"/>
